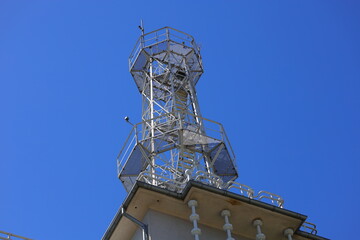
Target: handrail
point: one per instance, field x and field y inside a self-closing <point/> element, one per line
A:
<point x="214" y="180"/>
<point x="120" y="161"/>
<point x="242" y="187"/>
<point x="170" y="35"/>
<point x="216" y="131"/>
<point x="176" y="30"/>
<point x="273" y="197"/>
<point x="309" y="226"/>
<point x="10" y="235"/>
<point x="146" y="175"/>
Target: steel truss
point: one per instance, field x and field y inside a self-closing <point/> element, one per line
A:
<point x="174" y="144"/>
<point x="173" y="141"/>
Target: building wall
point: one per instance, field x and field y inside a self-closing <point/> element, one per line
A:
<point x="165" y="227"/>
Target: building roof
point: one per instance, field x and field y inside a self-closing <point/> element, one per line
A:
<point x="211" y="200"/>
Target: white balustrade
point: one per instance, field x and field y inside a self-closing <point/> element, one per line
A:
<point x="259" y="235"/>
<point x="194" y="217"/>
<point x="289" y="233"/>
<point x="227" y="226"/>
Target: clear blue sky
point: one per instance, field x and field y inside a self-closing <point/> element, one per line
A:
<point x="282" y="76"/>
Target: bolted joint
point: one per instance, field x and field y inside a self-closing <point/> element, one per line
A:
<point x="257" y="222"/>
<point x="196" y="231"/>
<point x="228" y="226"/>
<point x="194" y="216"/>
<point x="225" y="213"/>
<point x="188" y="174"/>
<point x="260" y="236"/>
<point x="192" y="203"/>
<point x="288" y="231"/>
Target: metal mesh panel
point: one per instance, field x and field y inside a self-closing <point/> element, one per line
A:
<point x="192" y="138"/>
<point x="128" y="182"/>
<point x="224" y="166"/>
<point x="135" y="163"/>
<point x="179" y="48"/>
<point x="201" y="148"/>
<point x="140" y="61"/>
<point x="156" y="48"/>
<point x="139" y="78"/>
<point x="160" y="144"/>
<point x="168" y="52"/>
<point x="176" y="60"/>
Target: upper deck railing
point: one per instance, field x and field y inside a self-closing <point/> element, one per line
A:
<point x="162" y="35"/>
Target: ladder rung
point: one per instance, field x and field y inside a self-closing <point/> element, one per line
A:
<point x="188" y="155"/>
<point x="184" y="165"/>
<point x="188" y="161"/>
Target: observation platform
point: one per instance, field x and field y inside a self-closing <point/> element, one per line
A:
<point x="177" y="133"/>
<point x="165" y="47"/>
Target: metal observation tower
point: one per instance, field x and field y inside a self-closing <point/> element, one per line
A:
<point x="178" y="167"/>
<point x="174" y="142"/>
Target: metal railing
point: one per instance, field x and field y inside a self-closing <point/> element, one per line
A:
<point x="264" y="196"/>
<point x="309" y="227"/>
<point x="162" y="35"/>
<point x="215" y="181"/>
<point x="170" y="123"/>
<point x="242" y="188"/>
<point x="10" y="236"/>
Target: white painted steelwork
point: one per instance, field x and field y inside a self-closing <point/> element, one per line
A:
<point x="228" y="227"/>
<point x="289" y="233"/>
<point x="257" y="224"/>
<point x="309" y="227"/>
<point x="173" y="142"/>
<point x="194" y="217"/>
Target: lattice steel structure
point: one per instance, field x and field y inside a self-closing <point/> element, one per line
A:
<point x="177" y="150"/>
<point x="173" y="143"/>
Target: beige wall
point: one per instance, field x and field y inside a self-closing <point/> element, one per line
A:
<point x="165" y="227"/>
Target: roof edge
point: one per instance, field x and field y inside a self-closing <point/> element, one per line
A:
<point x="203" y="186"/>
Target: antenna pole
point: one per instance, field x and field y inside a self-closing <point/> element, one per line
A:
<point x="142" y="27"/>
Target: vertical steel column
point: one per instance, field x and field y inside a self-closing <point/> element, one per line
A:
<point x="197" y="113"/>
<point x="152" y="124"/>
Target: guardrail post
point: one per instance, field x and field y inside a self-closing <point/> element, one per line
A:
<point x="167" y="34"/>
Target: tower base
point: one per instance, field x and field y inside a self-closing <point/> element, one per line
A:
<point x="167" y="215"/>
